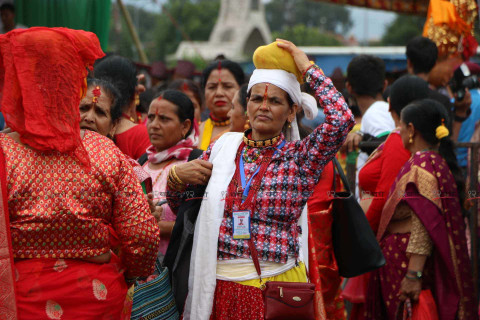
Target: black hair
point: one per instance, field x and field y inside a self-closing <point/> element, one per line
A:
<point x="366" y="75"/>
<point x="7" y="6"/>
<point x="234" y="68"/>
<point x="185" y="109"/>
<point x="192" y="86"/>
<point x="113" y="94"/>
<point x="422" y="53"/>
<point x="121" y="72"/>
<point x="405" y="90"/>
<point x="242" y="96"/>
<point x="426" y="115"/>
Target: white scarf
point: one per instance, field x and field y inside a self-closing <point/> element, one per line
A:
<point x="203" y="265"/>
<point x="287" y="82"/>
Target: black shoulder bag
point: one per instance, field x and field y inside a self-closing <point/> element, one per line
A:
<point x="355" y="246"/>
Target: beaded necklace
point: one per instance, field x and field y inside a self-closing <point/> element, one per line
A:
<point x="161" y="171"/>
<point x="259" y="143"/>
<point x="219" y="123"/>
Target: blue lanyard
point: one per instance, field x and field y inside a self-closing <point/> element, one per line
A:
<point x="246" y="185"/>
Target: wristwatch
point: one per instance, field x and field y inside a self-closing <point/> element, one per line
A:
<point x="417" y="274"/>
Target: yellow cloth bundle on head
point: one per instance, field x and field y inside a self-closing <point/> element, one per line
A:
<point x="271" y="56"/>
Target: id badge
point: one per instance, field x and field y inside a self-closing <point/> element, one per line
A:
<point x="241" y="225"/>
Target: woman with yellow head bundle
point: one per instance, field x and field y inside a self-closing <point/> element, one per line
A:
<point x="257" y="185"/>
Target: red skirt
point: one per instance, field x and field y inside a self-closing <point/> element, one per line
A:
<point x="69" y="289"/>
<point x="235" y="301"/>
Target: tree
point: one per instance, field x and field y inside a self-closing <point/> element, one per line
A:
<point x="402" y="29"/>
<point x="157" y="31"/>
<point x="302" y="35"/>
<point x="285" y="14"/>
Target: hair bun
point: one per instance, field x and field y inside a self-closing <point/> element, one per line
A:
<point x="441" y="132"/>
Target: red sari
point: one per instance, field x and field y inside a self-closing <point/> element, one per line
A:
<point x="323" y="268"/>
<point x="447" y="270"/>
<point x="375" y="179"/>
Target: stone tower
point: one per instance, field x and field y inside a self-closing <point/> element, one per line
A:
<point x="240" y="28"/>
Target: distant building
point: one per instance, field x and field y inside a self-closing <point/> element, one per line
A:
<point x="241" y="27"/>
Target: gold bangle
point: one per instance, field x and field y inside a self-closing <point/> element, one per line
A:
<point x="173" y="183"/>
<point x="177" y="179"/>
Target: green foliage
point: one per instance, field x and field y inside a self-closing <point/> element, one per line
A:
<point x="302" y="35"/>
<point x="302" y="21"/>
<point x="157" y="32"/>
<point x="402" y="29"/>
<point x="285" y="14"/>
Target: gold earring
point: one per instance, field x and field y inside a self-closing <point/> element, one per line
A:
<point x="247" y="125"/>
<point x="411" y="139"/>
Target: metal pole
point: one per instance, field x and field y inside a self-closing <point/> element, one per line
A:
<point x="133" y="32"/>
<point x="474" y="216"/>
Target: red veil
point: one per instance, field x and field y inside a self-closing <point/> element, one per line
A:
<point x="42" y="76"/>
<point x="42" y="79"/>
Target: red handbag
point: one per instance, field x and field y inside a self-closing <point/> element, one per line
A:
<point x="286" y="300"/>
<point x="289" y="300"/>
<point x="424" y="309"/>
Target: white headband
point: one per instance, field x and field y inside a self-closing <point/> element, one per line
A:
<point x="288" y="83"/>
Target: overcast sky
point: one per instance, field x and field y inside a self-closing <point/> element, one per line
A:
<point x="368" y="23"/>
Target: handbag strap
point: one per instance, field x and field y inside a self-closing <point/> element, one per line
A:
<point x="254" y="253"/>
<point x="338" y="168"/>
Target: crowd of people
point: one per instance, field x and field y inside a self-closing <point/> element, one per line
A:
<point x="104" y="177"/>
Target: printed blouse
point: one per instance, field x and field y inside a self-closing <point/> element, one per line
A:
<point x="60" y="209"/>
<point x="288" y="181"/>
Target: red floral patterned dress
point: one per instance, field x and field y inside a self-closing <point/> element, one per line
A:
<point x="62" y="213"/>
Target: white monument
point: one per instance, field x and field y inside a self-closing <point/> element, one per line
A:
<point x="241" y="27"/>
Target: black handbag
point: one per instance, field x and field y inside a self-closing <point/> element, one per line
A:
<point x="355" y="246"/>
<point x="178" y="254"/>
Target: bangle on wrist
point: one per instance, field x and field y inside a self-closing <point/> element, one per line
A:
<point x="412" y="278"/>
<point x="416" y="274"/>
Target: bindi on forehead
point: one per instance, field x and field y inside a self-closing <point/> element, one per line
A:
<point x="219" y="68"/>
<point x="97" y="93"/>
<point x="265" y="95"/>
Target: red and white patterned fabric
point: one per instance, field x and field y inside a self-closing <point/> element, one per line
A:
<point x="180" y="151"/>
<point x="59" y="209"/>
<point x="288" y="181"/>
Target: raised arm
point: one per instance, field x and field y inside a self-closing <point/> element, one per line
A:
<point x="317" y="149"/>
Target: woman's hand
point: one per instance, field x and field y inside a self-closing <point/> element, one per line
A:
<point x="150" y="202"/>
<point x="410" y="288"/>
<point x="158" y="213"/>
<point x="194" y="172"/>
<point x="298" y="55"/>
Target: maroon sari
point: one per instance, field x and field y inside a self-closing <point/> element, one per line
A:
<point x="426" y="184"/>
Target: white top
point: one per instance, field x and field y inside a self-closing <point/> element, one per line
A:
<point x="376" y="120"/>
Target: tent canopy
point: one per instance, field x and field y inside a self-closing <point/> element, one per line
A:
<point x="89" y="15"/>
